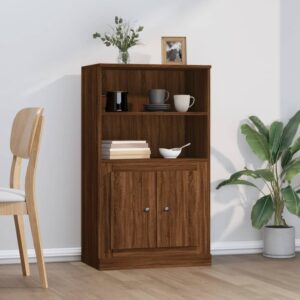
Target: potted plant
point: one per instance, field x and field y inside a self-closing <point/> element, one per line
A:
<point x="277" y="147"/>
<point x="122" y="36"/>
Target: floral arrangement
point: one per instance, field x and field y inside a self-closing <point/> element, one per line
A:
<point x="122" y="36"/>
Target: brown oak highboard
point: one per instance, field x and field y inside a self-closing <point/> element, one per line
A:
<point x="146" y="212"/>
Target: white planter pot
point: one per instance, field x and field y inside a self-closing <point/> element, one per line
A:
<point x="279" y="242"/>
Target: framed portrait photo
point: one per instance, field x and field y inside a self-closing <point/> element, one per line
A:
<point x="173" y="50"/>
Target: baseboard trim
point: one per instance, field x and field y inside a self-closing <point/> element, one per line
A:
<point x="74" y="254"/>
<point x="50" y="255"/>
<point x="241" y="247"/>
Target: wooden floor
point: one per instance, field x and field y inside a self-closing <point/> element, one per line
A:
<point x="230" y="277"/>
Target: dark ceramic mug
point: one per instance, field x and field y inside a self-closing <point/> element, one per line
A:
<point x="158" y="96"/>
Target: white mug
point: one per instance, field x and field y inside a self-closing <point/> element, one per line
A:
<point x="182" y="102"/>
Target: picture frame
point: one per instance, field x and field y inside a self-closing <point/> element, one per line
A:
<point x="173" y="50"/>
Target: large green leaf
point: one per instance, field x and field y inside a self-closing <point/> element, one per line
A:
<point x="246" y="172"/>
<point x="260" y="126"/>
<point x="291" y="170"/>
<point x="260" y="173"/>
<point x="266" y="174"/>
<point x="257" y="142"/>
<point x="275" y="134"/>
<point x="288" y="153"/>
<point x="262" y="211"/>
<point x="286" y="157"/>
<point x="292" y="200"/>
<point x="289" y="132"/>
<point x="234" y="182"/>
<point x="296" y="146"/>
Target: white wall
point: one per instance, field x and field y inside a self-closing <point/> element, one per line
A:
<point x="290" y="71"/>
<point x="43" y="45"/>
<point x="289" y="56"/>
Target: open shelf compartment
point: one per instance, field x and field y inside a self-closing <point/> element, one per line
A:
<point x="138" y="82"/>
<point x="161" y="132"/>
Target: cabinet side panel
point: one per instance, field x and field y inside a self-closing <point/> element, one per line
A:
<point x="204" y="185"/>
<point x="89" y="174"/>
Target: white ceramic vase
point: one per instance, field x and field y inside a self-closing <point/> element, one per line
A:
<point x="279" y="242"/>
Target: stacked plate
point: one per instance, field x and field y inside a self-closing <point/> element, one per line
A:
<point x="157" y="107"/>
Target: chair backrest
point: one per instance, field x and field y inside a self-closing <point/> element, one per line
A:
<point x="23" y="131"/>
<point x="24" y="144"/>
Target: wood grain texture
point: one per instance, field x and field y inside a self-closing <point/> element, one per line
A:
<point x="228" y="278"/>
<point x="178" y="209"/>
<point x="25" y="142"/>
<point x="146" y="259"/>
<point x="31" y="200"/>
<point x="196" y="131"/>
<point x="133" y="210"/>
<point x="89" y="160"/>
<point x="147" y="67"/>
<point x="156" y="113"/>
<point x="23" y="131"/>
<point x="139" y="82"/>
<point x="197" y="84"/>
<point x="15" y="172"/>
<point x="115" y="233"/>
<point x="36" y="237"/>
<point x="130" y="185"/>
<point x="158" y="131"/>
<point x="19" y="224"/>
<point x="13" y="208"/>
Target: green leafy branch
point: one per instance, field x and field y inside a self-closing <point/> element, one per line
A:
<point x="121" y="36"/>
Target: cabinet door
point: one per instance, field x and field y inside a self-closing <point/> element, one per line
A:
<point x="133" y="210"/>
<point x="178" y="205"/>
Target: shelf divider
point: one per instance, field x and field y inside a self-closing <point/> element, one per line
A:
<point x="156" y="113"/>
<point x="157" y="159"/>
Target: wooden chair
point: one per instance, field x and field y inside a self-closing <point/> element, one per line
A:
<point x="24" y="144"/>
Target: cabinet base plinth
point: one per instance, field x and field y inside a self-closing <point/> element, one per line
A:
<point x="139" y="263"/>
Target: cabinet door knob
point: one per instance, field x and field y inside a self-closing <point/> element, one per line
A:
<point x="166" y="209"/>
<point x="146" y="209"/>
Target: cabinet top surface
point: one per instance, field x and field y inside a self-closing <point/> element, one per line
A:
<point x="148" y="66"/>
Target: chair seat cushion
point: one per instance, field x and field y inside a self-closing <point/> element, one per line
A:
<point x="11" y="195"/>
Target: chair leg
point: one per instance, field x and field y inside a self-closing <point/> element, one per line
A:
<point x="37" y="246"/>
<point x="19" y="223"/>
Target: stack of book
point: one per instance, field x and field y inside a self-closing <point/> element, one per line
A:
<point x="125" y="149"/>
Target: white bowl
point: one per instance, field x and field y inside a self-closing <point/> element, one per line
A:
<point x="168" y="153"/>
